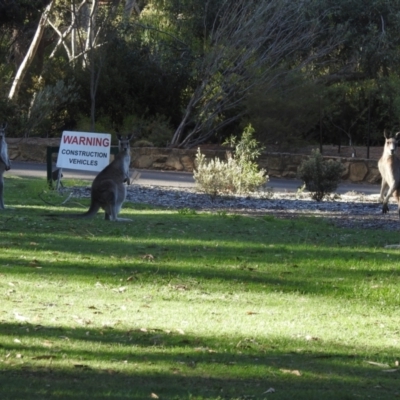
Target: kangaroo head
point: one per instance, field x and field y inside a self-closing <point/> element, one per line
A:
<point x="3" y="128"/>
<point x="391" y="143"/>
<point x="3" y="147"/>
<point x="123" y="142"/>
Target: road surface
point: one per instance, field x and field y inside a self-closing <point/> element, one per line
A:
<point x="177" y="179"/>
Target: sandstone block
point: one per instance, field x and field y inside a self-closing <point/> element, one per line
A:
<point x="188" y="163"/>
<point x="173" y="162"/>
<point x="358" y="171"/>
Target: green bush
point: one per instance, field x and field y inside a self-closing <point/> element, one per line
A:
<point x="238" y="174"/>
<point x="156" y="129"/>
<point x="102" y="124"/>
<point x="320" y="177"/>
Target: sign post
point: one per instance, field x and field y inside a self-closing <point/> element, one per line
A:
<point x="86" y="151"/>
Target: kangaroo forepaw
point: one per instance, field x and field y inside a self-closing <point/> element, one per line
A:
<point x="385" y="208"/>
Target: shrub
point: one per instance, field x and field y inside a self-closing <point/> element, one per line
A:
<point x="142" y="143"/>
<point x="237" y="174"/>
<point x="45" y="111"/>
<point x="102" y="124"/>
<point x="155" y="129"/>
<point x="320" y="177"/>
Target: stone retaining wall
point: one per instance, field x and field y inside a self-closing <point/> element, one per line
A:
<point x="277" y="164"/>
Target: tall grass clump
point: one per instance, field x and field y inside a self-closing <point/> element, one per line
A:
<point x="239" y="173"/>
<point x="320" y="176"/>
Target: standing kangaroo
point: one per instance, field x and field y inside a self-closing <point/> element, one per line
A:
<point x="4" y="161"/>
<point x="108" y="190"/>
<point x="389" y="168"/>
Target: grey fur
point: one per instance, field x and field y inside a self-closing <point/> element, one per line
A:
<point x="5" y="164"/>
<point x="108" y="190"/>
<point x="389" y="168"/>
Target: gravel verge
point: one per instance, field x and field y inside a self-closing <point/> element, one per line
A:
<point x="350" y="210"/>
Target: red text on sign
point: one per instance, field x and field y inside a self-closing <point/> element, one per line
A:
<point x="86" y="141"/>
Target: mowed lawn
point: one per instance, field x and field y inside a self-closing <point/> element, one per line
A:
<point x="188" y="305"/>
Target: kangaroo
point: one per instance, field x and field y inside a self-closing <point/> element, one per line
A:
<point x="389" y="168"/>
<point x="108" y="190"/>
<point x="4" y="161"/>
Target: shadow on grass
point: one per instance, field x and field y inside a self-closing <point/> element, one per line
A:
<point x="261" y="255"/>
<point x="116" y="364"/>
<point x="288" y="256"/>
<point x="326" y="281"/>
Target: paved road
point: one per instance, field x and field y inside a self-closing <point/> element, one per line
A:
<point x="178" y="179"/>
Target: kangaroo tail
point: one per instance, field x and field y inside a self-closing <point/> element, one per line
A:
<point x="93" y="210"/>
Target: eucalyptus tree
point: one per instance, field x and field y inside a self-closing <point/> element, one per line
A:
<point x="371" y="45"/>
<point x="19" y="60"/>
<point x="362" y="74"/>
<point x="31" y="52"/>
<point x="247" y="45"/>
<point x="77" y="28"/>
<point x="18" y="21"/>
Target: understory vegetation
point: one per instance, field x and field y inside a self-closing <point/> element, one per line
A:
<point x="321" y="177"/>
<point x="239" y="173"/>
<point x="189" y="305"/>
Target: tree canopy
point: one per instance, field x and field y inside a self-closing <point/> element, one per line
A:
<point x="181" y="73"/>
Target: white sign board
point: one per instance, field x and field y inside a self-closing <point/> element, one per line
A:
<point x="86" y="151"/>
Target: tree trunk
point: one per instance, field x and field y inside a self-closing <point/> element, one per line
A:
<point x="30" y="55"/>
<point x="131" y="5"/>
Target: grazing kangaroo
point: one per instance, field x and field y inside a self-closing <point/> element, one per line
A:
<point x="108" y="190"/>
<point x="389" y="168"/>
<point x="4" y="161"/>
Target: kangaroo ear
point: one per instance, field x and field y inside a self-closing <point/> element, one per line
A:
<point x="397" y="136"/>
<point x="119" y="137"/>
<point x="131" y="136"/>
<point x="384" y="134"/>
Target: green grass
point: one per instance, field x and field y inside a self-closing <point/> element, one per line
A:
<point x="185" y="305"/>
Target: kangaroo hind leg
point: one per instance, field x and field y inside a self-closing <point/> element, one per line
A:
<point x="384" y="187"/>
<point x="1" y="193"/>
<point x="120" y="198"/>
<point x="392" y="189"/>
<point x="112" y="210"/>
<point x="397" y="196"/>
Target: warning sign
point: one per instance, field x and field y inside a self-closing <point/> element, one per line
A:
<point x="86" y="151"/>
